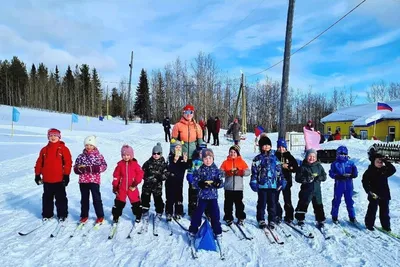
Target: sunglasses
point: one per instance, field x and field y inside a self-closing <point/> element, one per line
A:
<point x="188" y="112"/>
<point x="344" y="154"/>
<point x="158" y="153"/>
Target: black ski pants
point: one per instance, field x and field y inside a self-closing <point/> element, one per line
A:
<point x="234" y="197"/>
<point x="57" y="191"/>
<point x="119" y="206"/>
<point x="86" y="189"/>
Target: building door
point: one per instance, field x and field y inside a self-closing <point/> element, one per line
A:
<point x="363" y="134"/>
<point x="391" y="133"/>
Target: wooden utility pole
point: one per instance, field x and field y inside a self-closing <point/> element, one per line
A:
<point x="128" y="100"/>
<point x="286" y="69"/>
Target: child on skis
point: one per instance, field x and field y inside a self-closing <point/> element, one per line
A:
<point x="177" y="165"/>
<point x="127" y="176"/>
<point x="234" y="168"/>
<point x="375" y="183"/>
<point x="310" y="175"/>
<point x="52" y="169"/>
<point x="192" y="191"/>
<point x="155" y="172"/>
<point x="343" y="171"/>
<point x="208" y="178"/>
<point x="88" y="165"/>
<point x="266" y="180"/>
<point x="289" y="166"/>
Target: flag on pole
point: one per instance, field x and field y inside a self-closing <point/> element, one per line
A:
<point x="259" y="130"/>
<point x="74" y="118"/>
<point x="383" y="106"/>
<point x="15" y="115"/>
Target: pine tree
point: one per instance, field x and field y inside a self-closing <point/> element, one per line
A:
<point x="160" y="98"/>
<point x="97" y="93"/>
<point x="68" y="90"/>
<point x="142" y="106"/>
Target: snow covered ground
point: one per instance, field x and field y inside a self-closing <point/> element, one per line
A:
<point x="20" y="206"/>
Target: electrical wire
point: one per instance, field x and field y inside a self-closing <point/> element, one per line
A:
<point x="312" y="40"/>
<point x="237" y="24"/>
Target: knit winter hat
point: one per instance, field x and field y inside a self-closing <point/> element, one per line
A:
<point x="188" y="107"/>
<point x="281" y="142"/>
<point x="207" y="152"/>
<point x="127" y="150"/>
<point x="90" y="140"/>
<point x="173" y="143"/>
<point x="236" y="148"/>
<point x="311" y="151"/>
<point x="264" y="140"/>
<point x="54" y="131"/>
<point x="157" y="149"/>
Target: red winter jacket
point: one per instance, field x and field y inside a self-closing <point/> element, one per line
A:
<point x="53" y="162"/>
<point x="126" y="174"/>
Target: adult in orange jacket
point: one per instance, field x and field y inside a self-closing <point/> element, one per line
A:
<point x="188" y="131"/>
<point x="52" y="169"/>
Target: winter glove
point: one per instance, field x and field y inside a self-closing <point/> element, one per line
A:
<point x="92" y="169"/>
<point x="115" y="190"/>
<point x="254" y="186"/>
<point x="38" y="179"/>
<point x="283" y="184"/>
<point x="203" y="184"/>
<point x="373" y="195"/>
<point x="79" y="169"/>
<point x="189" y="178"/>
<point x="217" y="183"/>
<point x="66" y="179"/>
<point x="240" y="173"/>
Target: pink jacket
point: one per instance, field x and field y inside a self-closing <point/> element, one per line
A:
<point x="126" y="174"/>
<point x="90" y="159"/>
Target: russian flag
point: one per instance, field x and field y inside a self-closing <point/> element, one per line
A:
<point x="383" y="106"/>
<point x="259" y="130"/>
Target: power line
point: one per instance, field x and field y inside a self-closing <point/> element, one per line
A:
<point x="312" y="40"/>
<point x="237" y="24"/>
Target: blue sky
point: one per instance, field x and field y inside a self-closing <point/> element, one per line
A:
<point x="361" y="49"/>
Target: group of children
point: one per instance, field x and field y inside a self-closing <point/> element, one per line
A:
<point x="271" y="172"/>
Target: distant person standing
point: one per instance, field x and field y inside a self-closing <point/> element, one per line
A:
<point x="210" y="129"/>
<point x="234" y="129"/>
<point x="202" y="125"/>
<point x="309" y="126"/>
<point x="216" y="131"/>
<point x="167" y="126"/>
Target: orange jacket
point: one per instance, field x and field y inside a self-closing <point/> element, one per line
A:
<point x="54" y="161"/>
<point x="236" y="164"/>
<point x="186" y="131"/>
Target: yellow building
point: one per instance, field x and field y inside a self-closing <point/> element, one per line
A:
<point x="366" y="120"/>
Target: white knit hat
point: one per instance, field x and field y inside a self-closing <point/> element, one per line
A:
<point x="90" y="140"/>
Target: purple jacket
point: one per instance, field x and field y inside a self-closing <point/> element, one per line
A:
<point x="89" y="165"/>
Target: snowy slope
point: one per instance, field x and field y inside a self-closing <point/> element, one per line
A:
<point x="20" y="206"/>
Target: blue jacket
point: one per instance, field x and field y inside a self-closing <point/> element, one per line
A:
<point x="196" y="163"/>
<point x="208" y="173"/>
<point x="343" y="169"/>
<point x="266" y="171"/>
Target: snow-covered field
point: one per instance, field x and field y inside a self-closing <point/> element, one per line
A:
<point x="20" y="206"/>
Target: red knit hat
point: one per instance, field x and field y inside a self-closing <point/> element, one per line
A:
<point x="188" y="107"/>
<point x="54" y="131"/>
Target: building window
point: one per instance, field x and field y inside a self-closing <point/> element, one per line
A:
<point x="338" y="128"/>
<point x="329" y="129"/>
<point x="363" y="134"/>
